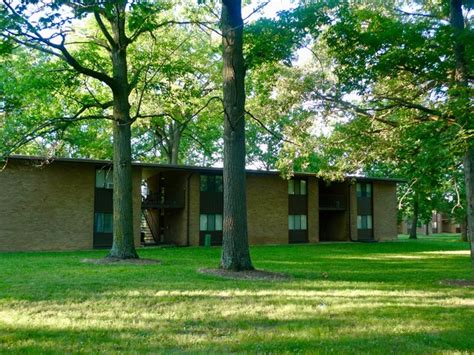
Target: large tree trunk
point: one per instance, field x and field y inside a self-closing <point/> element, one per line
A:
<point x="123" y="246"/>
<point x="235" y="248"/>
<point x="175" y="143"/>
<point x="414" y="222"/>
<point x="462" y="97"/>
<point x="469" y="180"/>
<point x="464" y="230"/>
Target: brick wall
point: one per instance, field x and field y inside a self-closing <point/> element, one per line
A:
<point x="137" y="204"/>
<point x="313" y="210"/>
<point x="267" y="211"/>
<point x="385" y="211"/>
<point x="353" y="211"/>
<point x="46" y="208"/>
<point x="193" y="204"/>
<point x="52" y="207"/>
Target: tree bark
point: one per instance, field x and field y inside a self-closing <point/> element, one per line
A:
<point x="469" y="181"/>
<point x="235" y="248"/>
<point x="461" y="89"/>
<point x="414" y="220"/>
<point x="123" y="246"/>
<point x="464" y="230"/>
<point x="175" y="143"/>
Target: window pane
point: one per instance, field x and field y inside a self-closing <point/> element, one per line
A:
<point x="369" y="222"/>
<point x="218" y="222"/>
<point x="291" y="187"/>
<point x="303" y="187"/>
<point x="211" y="222"/>
<point x="211" y="183"/>
<point x="203" y="182"/>
<point x="291" y="222"/>
<point x="364" y="222"/>
<point x="297" y="187"/>
<point x="303" y="222"/>
<point x="99" y="222"/>
<point x="359" y="190"/>
<point x="203" y="222"/>
<point x="359" y="222"/>
<point x="100" y="179"/>
<point x="297" y="222"/>
<point x="108" y="223"/>
<point x="219" y="183"/>
<point x="369" y="190"/>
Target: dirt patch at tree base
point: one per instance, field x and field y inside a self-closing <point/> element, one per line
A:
<point x="458" y="283"/>
<point x="117" y="261"/>
<point x="259" y="275"/>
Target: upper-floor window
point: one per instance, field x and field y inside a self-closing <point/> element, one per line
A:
<point x="211" y="183"/>
<point x="104" y="179"/>
<point x="297" y="187"/>
<point x="364" y="189"/>
<point x="297" y="222"/>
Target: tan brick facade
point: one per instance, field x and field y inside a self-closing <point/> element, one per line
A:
<point x="313" y="210"/>
<point x="385" y="211"/>
<point x="46" y="208"/>
<point x="52" y="207"/>
<point x="194" y="209"/>
<point x="352" y="211"/>
<point x="267" y="211"/>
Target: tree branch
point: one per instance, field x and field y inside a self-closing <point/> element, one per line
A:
<point x="274" y="134"/>
<point x="104" y="30"/>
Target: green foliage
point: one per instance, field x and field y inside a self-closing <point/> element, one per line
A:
<point x="269" y="40"/>
<point x="404" y="113"/>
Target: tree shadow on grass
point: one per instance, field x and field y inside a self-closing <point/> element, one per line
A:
<point x="340" y="335"/>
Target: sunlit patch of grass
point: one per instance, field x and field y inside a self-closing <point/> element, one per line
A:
<point x="343" y="298"/>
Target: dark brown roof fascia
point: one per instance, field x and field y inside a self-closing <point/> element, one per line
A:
<point x="198" y="169"/>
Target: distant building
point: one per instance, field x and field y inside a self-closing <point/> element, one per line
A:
<point x="440" y="223"/>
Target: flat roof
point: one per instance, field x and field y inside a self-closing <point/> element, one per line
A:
<point x="199" y="169"/>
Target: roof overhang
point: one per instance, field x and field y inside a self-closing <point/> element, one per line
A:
<point x="184" y="168"/>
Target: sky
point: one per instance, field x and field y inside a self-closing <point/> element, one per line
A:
<point x="269" y="10"/>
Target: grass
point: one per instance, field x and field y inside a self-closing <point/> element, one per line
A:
<point x="343" y="298"/>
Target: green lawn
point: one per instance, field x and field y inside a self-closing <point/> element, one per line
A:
<point x="379" y="297"/>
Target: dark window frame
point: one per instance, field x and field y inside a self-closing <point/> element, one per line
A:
<point x="297" y="222"/>
<point x="211" y="183"/>
<point x="210" y="217"/>
<point x="297" y="183"/>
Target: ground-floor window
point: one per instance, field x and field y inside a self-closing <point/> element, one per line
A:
<point x="103" y="223"/>
<point x="364" y="222"/>
<point x="210" y="222"/>
<point x="297" y="222"/>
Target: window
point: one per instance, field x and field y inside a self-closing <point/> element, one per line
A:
<point x="210" y="222"/>
<point x="296" y="187"/>
<point x="211" y="183"/>
<point x="364" y="222"/>
<point x="297" y="222"/>
<point x="364" y="190"/>
<point x="103" y="223"/>
<point x="104" y="179"/>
